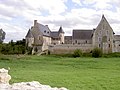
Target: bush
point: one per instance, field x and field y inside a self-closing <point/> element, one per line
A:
<point x="96" y="52"/>
<point x="77" y="53"/>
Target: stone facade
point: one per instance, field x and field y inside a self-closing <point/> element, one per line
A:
<point x="39" y="37"/>
<point x="102" y="37"/>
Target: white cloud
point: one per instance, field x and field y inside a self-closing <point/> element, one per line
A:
<point x="16" y="16"/>
<point x="53" y="6"/>
<point x="77" y="2"/>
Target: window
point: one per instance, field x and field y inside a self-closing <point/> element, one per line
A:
<point x="99" y="45"/>
<point x="86" y="41"/>
<point x="109" y="39"/>
<point x="75" y="41"/>
<point x="100" y="32"/>
<point x="109" y="45"/>
<point x="99" y="39"/>
<point x="39" y="37"/>
<point x="107" y="33"/>
<point x="45" y="31"/>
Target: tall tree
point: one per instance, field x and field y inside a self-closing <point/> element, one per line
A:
<point x="2" y="35"/>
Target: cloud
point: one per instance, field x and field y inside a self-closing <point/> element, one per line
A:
<point x="17" y="16"/>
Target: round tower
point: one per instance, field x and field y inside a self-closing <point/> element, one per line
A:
<point x="61" y="34"/>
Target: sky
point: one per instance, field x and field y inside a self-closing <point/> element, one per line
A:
<point x="17" y="16"/>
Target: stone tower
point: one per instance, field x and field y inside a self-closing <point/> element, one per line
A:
<point x="61" y="34"/>
<point x="103" y="36"/>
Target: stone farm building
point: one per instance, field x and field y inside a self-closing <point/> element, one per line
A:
<point x="41" y="38"/>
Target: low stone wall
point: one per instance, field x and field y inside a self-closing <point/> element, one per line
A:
<point x="69" y="48"/>
<point x="34" y="85"/>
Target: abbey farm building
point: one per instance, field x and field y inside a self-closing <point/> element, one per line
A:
<point x="41" y="38"/>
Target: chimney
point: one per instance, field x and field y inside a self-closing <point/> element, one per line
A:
<point x="35" y="22"/>
<point x="46" y="25"/>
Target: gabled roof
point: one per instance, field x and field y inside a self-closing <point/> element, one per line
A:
<point x="44" y="29"/>
<point x="54" y="35"/>
<point x="61" y="30"/>
<point x="102" y="22"/>
<point x="82" y="34"/>
<point x="29" y="34"/>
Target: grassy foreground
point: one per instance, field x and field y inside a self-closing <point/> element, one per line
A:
<point x="72" y="73"/>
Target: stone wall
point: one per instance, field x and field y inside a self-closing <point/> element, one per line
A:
<point x="69" y="48"/>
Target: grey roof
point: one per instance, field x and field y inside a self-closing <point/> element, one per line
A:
<point x="29" y="34"/>
<point x="82" y="34"/>
<point x="117" y="37"/>
<point x="61" y="30"/>
<point x="54" y="35"/>
<point x="44" y="29"/>
<point x="68" y="37"/>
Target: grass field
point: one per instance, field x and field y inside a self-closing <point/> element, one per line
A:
<point x="72" y="73"/>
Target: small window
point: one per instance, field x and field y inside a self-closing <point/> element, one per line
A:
<point x="109" y="45"/>
<point x="75" y="41"/>
<point x="45" y="31"/>
<point x="100" y="39"/>
<point x="119" y="44"/>
<point x="99" y="45"/>
<point x="39" y="37"/>
<point x="107" y="32"/>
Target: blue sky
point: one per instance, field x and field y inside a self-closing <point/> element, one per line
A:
<point x="17" y="16"/>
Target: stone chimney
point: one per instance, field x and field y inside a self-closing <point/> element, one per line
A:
<point x="35" y="22"/>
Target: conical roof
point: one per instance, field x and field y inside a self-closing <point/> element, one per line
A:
<point x="61" y="30"/>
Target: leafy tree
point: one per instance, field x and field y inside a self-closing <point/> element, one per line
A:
<point x="17" y="47"/>
<point x="2" y="35"/>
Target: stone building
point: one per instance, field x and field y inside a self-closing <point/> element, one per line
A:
<point x="103" y="37"/>
<point x="40" y="36"/>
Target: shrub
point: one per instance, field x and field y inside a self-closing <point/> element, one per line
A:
<point x="77" y="53"/>
<point x="96" y="52"/>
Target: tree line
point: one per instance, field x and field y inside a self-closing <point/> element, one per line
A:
<point x="12" y="47"/>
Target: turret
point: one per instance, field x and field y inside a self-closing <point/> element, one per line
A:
<point x="61" y="34"/>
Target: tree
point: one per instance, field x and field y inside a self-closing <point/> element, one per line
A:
<point x="2" y="35"/>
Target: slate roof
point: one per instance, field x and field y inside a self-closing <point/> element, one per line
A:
<point x="82" y="34"/>
<point x="44" y="29"/>
<point x="54" y="34"/>
<point x="61" y="30"/>
<point x="29" y="34"/>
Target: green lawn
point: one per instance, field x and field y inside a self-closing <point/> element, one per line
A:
<point x="72" y="73"/>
